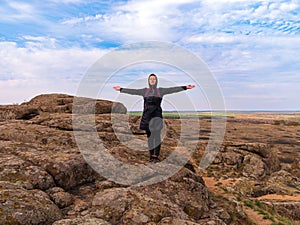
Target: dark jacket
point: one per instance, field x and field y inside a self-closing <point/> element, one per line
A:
<point x="152" y="102"/>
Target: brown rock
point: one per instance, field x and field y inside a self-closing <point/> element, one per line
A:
<point x="93" y="106"/>
<point x="176" y="221"/>
<point x="281" y="182"/>
<point x="16" y="170"/>
<point x="39" y="151"/>
<point x="59" y="103"/>
<point x="70" y="172"/>
<point x="141" y="205"/>
<point x="233" y="159"/>
<point x="255" y="160"/>
<point x="39" y="178"/>
<point x="61" y="198"/>
<point x="51" y="103"/>
<point x="20" y="206"/>
<point x="110" y="205"/>
<point x="254" y="167"/>
<point x="289" y="209"/>
<point x="81" y="221"/>
<point x="17" y="112"/>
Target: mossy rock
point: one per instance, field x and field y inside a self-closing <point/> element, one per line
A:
<point x="20" y="206"/>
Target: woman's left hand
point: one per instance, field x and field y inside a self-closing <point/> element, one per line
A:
<point x="190" y="86"/>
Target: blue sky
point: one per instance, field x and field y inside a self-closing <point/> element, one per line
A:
<point x="251" y="47"/>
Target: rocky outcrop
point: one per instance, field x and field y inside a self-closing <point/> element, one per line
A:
<point x="254" y="160"/>
<point x="141" y="205"/>
<point x="46" y="179"/>
<point x="40" y="162"/>
<point x="59" y="103"/>
<point x="288" y="209"/>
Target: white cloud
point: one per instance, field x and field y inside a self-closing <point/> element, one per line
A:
<point x="289" y="6"/>
<point x="185" y="19"/>
<point x="21" y="7"/>
<point x="216" y="38"/>
<point x="34" y="42"/>
<point x="134" y="21"/>
<point x="30" y="71"/>
<point x="17" y="11"/>
<point x="67" y="1"/>
<point x="242" y="41"/>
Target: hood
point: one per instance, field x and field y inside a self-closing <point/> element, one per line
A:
<point x="153" y="86"/>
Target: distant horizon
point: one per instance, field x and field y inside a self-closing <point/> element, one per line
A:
<point x="231" y="111"/>
<point x="170" y="110"/>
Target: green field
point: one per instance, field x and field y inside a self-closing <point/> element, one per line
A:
<point x="289" y="115"/>
<point x="177" y="115"/>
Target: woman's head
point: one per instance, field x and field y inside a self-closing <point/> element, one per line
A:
<point x="152" y="80"/>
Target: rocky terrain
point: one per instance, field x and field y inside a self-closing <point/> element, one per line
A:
<point x="45" y="177"/>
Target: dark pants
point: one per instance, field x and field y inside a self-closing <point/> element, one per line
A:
<point x="154" y="142"/>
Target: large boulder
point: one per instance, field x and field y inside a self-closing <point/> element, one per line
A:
<point x="28" y="207"/>
<point x="184" y="196"/>
<point x="59" y="103"/>
<point x="254" y="160"/>
<point x="254" y="167"/>
<point x="62" y="103"/>
<point x="16" y="170"/>
<point x="70" y="172"/>
<point x="41" y="154"/>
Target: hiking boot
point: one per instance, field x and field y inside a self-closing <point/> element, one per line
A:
<point x="155" y="158"/>
<point x="151" y="160"/>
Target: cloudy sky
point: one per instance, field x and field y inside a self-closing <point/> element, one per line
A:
<point x="251" y="47"/>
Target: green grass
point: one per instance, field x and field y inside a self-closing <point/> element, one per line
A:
<point x="267" y="213"/>
<point x="268" y="217"/>
<point x="286" y="123"/>
<point x="249" y="204"/>
<point x="258" y="204"/>
<point x="177" y="115"/>
<point x="285" y="220"/>
<point x="218" y="184"/>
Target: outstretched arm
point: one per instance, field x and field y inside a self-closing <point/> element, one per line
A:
<point x="130" y="91"/>
<point x="170" y="90"/>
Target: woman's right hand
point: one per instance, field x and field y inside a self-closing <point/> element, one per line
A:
<point x="117" y="88"/>
<point x="190" y="86"/>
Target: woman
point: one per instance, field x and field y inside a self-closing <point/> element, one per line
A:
<point x="151" y="120"/>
